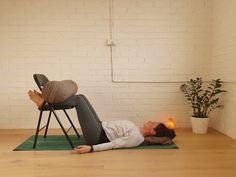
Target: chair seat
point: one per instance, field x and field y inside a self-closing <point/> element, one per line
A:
<point x="55" y="107"/>
<point x="67" y="104"/>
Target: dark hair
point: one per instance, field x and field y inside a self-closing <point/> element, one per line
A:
<point x="163" y="131"/>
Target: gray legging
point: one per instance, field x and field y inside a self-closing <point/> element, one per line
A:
<point x="88" y="119"/>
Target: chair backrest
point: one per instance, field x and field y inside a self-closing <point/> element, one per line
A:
<point x="40" y="80"/>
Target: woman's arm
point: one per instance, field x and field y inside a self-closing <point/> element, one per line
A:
<point x="127" y="141"/>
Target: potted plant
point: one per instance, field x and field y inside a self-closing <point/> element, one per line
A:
<point x="203" y="101"/>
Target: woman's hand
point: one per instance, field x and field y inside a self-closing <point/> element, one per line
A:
<point x="82" y="149"/>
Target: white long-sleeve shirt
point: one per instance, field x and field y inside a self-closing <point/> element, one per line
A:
<point x="121" y="134"/>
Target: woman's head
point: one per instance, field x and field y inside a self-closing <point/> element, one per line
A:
<point x="157" y="129"/>
<point x="162" y="131"/>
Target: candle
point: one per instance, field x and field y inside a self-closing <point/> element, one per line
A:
<point x="170" y="123"/>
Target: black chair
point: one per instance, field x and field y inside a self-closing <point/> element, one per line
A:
<point x="40" y="80"/>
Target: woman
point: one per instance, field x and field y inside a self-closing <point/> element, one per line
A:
<point x="101" y="135"/>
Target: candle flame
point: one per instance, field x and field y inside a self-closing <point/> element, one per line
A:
<point x="170" y="123"/>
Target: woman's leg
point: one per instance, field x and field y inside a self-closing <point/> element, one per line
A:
<point x="88" y="119"/>
<point x="91" y="108"/>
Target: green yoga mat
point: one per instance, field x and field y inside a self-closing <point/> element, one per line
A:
<point x="59" y="142"/>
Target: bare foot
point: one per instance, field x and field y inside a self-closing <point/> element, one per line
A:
<point x="36" y="97"/>
<point x="36" y="92"/>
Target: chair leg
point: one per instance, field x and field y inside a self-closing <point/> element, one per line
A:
<point x="63" y="129"/>
<point x="71" y="123"/>
<point x="38" y="127"/>
<point x="46" y="130"/>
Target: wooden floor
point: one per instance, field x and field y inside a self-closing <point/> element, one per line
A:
<point x="211" y="155"/>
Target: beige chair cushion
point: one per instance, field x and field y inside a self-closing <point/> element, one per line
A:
<point x="58" y="91"/>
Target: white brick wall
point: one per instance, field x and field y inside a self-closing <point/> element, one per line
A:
<point x="224" y="62"/>
<point x="224" y="39"/>
<point x="161" y="40"/>
<point x="65" y="39"/>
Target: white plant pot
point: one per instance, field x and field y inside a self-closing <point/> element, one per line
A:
<point x="199" y="125"/>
